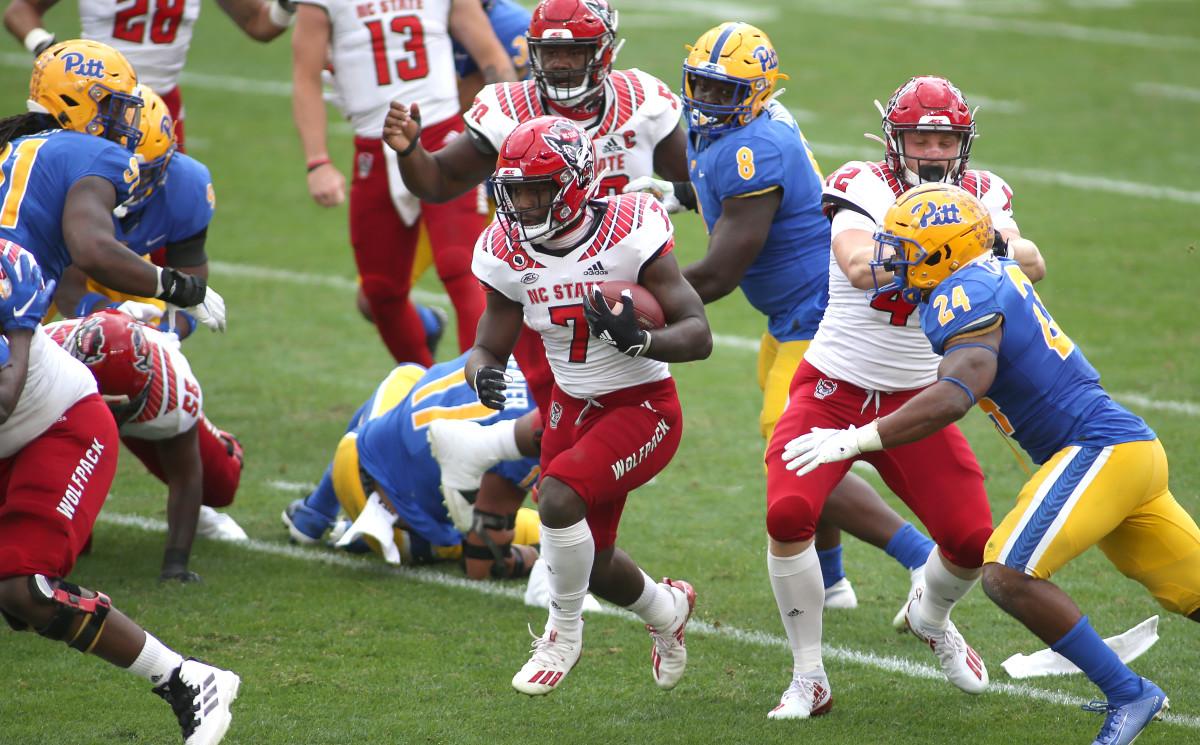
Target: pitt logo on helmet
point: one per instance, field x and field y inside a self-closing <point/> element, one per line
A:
<point x="87" y="67"/>
<point x="933" y="214"/>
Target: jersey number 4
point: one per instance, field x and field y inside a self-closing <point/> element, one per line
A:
<point x="414" y="64"/>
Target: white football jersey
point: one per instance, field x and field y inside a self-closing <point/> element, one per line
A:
<point x="878" y="344"/>
<point x="391" y="50"/>
<point x="56" y="381"/>
<point x="154" y="36"/>
<point x="628" y="231"/>
<point x="639" y="111"/>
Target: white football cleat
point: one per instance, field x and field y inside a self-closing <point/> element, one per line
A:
<point x="668" y="653"/>
<point x="552" y="659"/>
<point x="461" y="449"/>
<point x="213" y="524"/>
<point x="804" y="698"/>
<point x="962" y="665"/>
<point x="840" y="596"/>
<point x="918" y="581"/>
<point x="200" y="696"/>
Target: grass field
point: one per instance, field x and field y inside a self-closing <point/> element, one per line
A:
<point x="1088" y="109"/>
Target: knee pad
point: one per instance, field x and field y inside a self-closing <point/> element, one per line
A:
<point x="498" y="553"/>
<point x="791" y="519"/>
<point x="70" y="604"/>
<point x="383" y="289"/>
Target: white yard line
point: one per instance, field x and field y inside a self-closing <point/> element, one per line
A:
<point x="517" y="594"/>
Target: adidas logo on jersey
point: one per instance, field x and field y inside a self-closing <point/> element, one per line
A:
<point x="595" y="270"/>
<point x="611" y="146"/>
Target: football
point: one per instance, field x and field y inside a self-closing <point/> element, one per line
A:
<point x="646" y="309"/>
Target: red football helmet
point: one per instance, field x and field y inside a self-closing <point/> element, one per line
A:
<point x="559" y="23"/>
<point x="927" y="104"/>
<point x="114" y="348"/>
<point x="553" y="153"/>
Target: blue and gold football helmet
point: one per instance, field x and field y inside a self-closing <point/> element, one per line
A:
<point x="928" y="234"/>
<point x="87" y="87"/>
<point x="739" y="56"/>
<point x="157" y="147"/>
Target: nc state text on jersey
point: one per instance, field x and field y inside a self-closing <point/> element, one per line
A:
<point x="387" y="6"/>
<point x="564" y="291"/>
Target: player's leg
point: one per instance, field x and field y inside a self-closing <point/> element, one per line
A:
<point x="383" y="251"/>
<point x="491" y="548"/>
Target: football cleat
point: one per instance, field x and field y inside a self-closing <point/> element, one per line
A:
<point x="840" y="596"/>
<point x="200" y="696"/>
<point x="1123" y="724"/>
<point x="962" y="665"/>
<point x="804" y="698"/>
<point x="918" y="581"/>
<point x="668" y="653"/>
<point x="552" y="659"/>
<point x="303" y="525"/>
<point x="213" y="524"/>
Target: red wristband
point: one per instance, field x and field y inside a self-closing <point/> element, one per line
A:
<point x="315" y="164"/>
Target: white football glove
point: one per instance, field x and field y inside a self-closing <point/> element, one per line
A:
<point x="144" y="312"/>
<point x="663" y="191"/>
<point x="211" y="311"/>
<point x="821" y="446"/>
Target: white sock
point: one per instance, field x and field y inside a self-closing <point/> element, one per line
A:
<point x="156" y="661"/>
<point x="569" y="553"/>
<point x="942" y="591"/>
<point x="800" y="595"/>
<point x="499" y="440"/>
<point x="656" y="605"/>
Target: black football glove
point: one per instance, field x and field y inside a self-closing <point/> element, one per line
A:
<point x="1000" y="247"/>
<point x="618" y="329"/>
<point x="490" y="384"/>
<point x="184" y="290"/>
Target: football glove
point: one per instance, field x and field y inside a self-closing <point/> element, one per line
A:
<point x="621" y="330"/>
<point x="179" y="289"/>
<point x="143" y="312"/>
<point x="490" y="384"/>
<point x="663" y="191"/>
<point x="210" y="311"/>
<point x="821" y="446"/>
<point x="28" y="297"/>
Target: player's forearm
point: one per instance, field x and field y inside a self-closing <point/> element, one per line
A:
<point x="21" y="17"/>
<point x="684" y="340"/>
<point x="931" y="410"/>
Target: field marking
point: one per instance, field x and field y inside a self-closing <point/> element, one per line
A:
<point x="497" y="589"/>
<point x="720" y="341"/>
<point x="1173" y="92"/>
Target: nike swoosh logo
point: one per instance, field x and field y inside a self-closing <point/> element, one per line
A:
<point x="21" y="311"/>
<point x="152" y="241"/>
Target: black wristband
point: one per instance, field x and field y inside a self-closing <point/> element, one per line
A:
<point x="415" y="140"/>
<point x="685" y="194"/>
<point x="184" y="290"/>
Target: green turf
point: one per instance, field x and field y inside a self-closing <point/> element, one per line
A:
<point x="1088" y="110"/>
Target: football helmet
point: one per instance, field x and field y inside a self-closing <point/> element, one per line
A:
<point x="560" y="23"/>
<point x="737" y="54"/>
<point x="927" y="104"/>
<point x="115" y="348"/>
<point x="553" y="153"/>
<point x="87" y="87"/>
<point x="928" y="234"/>
<point x="157" y="147"/>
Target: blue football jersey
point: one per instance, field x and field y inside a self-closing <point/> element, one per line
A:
<point x="175" y="211"/>
<point x="510" y="22"/>
<point x="37" y="171"/>
<point x="1046" y="395"/>
<point x="789" y="280"/>
<point x="394" y="450"/>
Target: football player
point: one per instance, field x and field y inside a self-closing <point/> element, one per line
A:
<point x="370" y="74"/>
<point x="614" y="418"/>
<point x="169" y="211"/>
<point x="158" y="405"/>
<point x="867" y="358"/>
<point x="1103" y="475"/>
<point x="383" y="468"/>
<point x="758" y="187"/>
<point x="83" y="128"/>
<point x="632" y="117"/>
<point x="154" y="37"/>
<point x="58" y="454"/>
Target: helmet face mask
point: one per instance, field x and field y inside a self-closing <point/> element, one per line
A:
<point x="545" y="175"/>
<point x="88" y="87"/>
<point x="932" y="106"/>
<point x="572" y="47"/>
<point x="113" y="346"/>
<point x="931" y="232"/>
<point x="158" y="145"/>
<point x="728" y="77"/>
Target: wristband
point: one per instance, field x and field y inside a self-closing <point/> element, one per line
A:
<point x="868" y="438"/>
<point x="158" y="278"/>
<point x="281" y="17"/>
<point x="36" y="38"/>
<point x="416" y="139"/>
<point x="88" y="302"/>
<point x="315" y="164"/>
